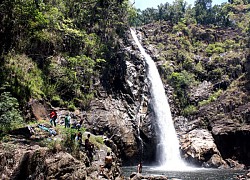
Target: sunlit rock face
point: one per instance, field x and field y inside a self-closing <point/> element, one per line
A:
<point x="200" y="149"/>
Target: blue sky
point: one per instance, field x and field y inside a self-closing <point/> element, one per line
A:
<point x="143" y="4"/>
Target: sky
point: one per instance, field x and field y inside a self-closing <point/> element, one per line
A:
<point x="143" y="4"/>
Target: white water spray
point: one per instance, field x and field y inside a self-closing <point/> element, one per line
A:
<point x="168" y="153"/>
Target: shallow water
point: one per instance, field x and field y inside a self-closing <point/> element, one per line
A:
<point x="191" y="174"/>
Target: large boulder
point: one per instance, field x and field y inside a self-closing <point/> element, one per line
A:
<point x="199" y="147"/>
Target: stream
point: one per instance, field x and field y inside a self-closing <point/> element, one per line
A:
<point x="190" y="174"/>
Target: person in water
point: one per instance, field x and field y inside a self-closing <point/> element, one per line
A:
<point x="139" y="168"/>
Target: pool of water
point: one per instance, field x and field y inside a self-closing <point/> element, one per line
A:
<point x="190" y="174"/>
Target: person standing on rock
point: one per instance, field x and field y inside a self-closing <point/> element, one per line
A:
<point x="79" y="137"/>
<point x="67" y="121"/>
<point x="79" y="125"/>
<point x="108" y="161"/>
<point x="89" y="148"/>
<point x="53" y="117"/>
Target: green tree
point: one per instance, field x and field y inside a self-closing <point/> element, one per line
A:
<point x="178" y="9"/>
<point x="10" y="116"/>
<point x="203" y="11"/>
<point x="132" y="13"/>
<point x="181" y="81"/>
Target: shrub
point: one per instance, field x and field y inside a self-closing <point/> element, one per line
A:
<point x="199" y="67"/>
<point x="71" y="107"/>
<point x="24" y="77"/>
<point x="181" y="81"/>
<point x="215" y="48"/>
<point x="212" y="98"/>
<point x="216" y="73"/>
<point x="69" y="143"/>
<point x="56" y="101"/>
<point x="10" y="116"/>
<point x="168" y="68"/>
<point x="188" y="64"/>
<point x="99" y="139"/>
<point x="189" y="110"/>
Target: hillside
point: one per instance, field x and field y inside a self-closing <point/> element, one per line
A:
<point x="79" y="58"/>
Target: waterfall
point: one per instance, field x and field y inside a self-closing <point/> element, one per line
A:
<point x="168" y="153"/>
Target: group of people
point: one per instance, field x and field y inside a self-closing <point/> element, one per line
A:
<point x="67" y="121"/>
<point x="89" y="147"/>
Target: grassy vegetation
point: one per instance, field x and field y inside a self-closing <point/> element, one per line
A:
<point x="212" y="98"/>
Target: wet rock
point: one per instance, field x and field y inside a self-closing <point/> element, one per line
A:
<point x="234" y="164"/>
<point x="135" y="176"/>
<point x="216" y="161"/>
<point x="122" y="116"/>
<point x="138" y="176"/>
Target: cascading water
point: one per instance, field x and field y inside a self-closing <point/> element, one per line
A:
<point x="168" y="153"/>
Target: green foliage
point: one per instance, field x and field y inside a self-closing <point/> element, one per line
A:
<point x="189" y="110"/>
<point x="212" y="98"/>
<point x="73" y="79"/>
<point x="24" y="77"/>
<point x="199" y="68"/>
<point x="216" y="73"/>
<point x="181" y="27"/>
<point x="56" y="101"/>
<point x="168" y="68"/>
<point x="69" y="143"/>
<point x="10" y="116"/>
<point x="160" y="46"/>
<point x="99" y="139"/>
<point x="188" y="64"/>
<point x="53" y="145"/>
<point x="56" y="49"/>
<point x="181" y="82"/>
<point x="71" y="107"/>
<point x="215" y="48"/>
<point x="203" y="11"/>
<point x="132" y="15"/>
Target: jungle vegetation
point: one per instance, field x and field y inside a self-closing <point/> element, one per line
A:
<point x="55" y="50"/>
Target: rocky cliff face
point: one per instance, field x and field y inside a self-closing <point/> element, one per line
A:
<point x="227" y="119"/>
<point x="216" y="133"/>
<point x="120" y="109"/>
